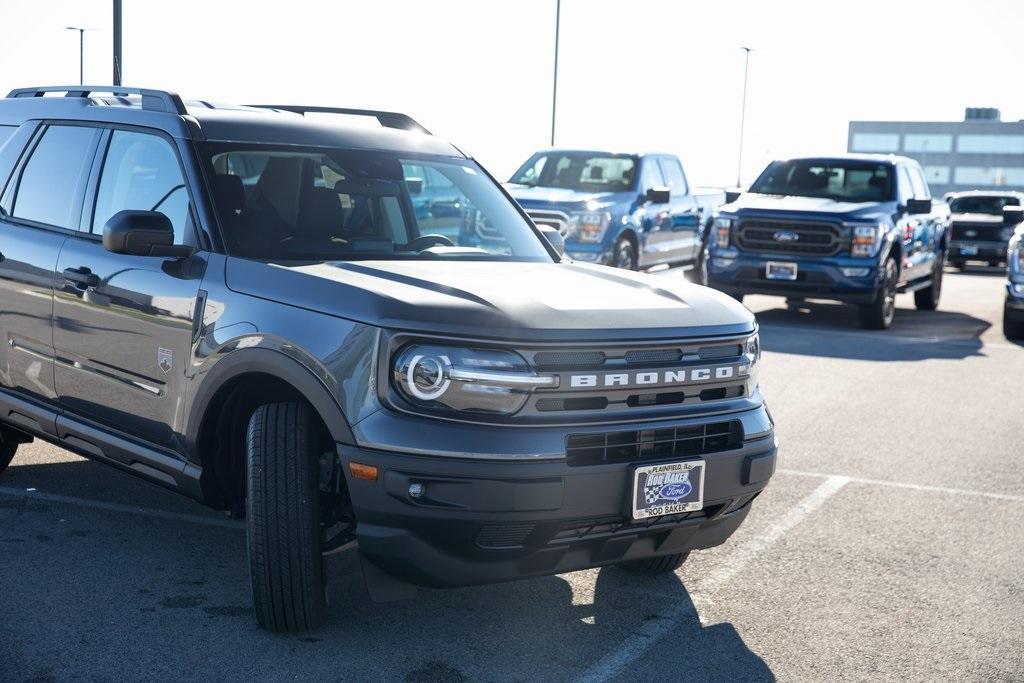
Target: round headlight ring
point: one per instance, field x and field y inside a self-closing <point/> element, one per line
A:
<point x="428" y="376"/>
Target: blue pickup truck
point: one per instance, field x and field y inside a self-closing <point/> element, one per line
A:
<point x="626" y="210"/>
<point x="851" y="228"/>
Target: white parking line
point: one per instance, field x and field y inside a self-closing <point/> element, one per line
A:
<point x="913" y="487"/>
<point x="616" y="661"/>
<point x="118" y="507"/>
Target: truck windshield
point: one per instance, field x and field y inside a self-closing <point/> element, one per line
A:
<point x="315" y="204"/>
<point x="840" y="180"/>
<point x="579" y="171"/>
<point x="992" y="205"/>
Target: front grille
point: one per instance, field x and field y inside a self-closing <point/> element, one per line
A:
<point x="555" y="219"/>
<point x="822" y="239"/>
<point x="981" y="232"/>
<point x="498" y="536"/>
<point x="652" y="444"/>
<point x="553" y="360"/>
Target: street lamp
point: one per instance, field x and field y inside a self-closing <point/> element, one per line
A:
<point x="81" y="51"/>
<point x="743" y="115"/>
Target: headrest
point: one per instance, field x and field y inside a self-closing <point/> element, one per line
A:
<point x="229" y="192"/>
<point x="597" y="173"/>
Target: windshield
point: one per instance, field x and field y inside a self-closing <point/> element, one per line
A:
<point x="841" y="180"/>
<point x="295" y="204"/>
<point x="992" y="205"/>
<point x="579" y="171"/>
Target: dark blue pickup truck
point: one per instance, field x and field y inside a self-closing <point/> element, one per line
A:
<point x="851" y="228"/>
<point x="626" y="210"/>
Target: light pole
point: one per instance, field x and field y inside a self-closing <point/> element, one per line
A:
<point x="554" y="91"/>
<point x="81" y="51"/>
<point x="743" y="115"/>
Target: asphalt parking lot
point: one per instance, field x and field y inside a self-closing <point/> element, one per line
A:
<point x="887" y="546"/>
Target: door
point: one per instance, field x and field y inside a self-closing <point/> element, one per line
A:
<point x="42" y="204"/>
<point x="655" y="219"/>
<point x="123" y="324"/>
<point x="684" y="212"/>
<point x="914" y="228"/>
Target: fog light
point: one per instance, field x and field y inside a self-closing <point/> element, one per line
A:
<point x="718" y="262"/>
<point x="1018" y="289"/>
<point x="416" y="490"/>
<point x="855" y="272"/>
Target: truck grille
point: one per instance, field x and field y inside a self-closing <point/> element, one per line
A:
<point x="555" y="219"/>
<point x="977" y="232"/>
<point x="822" y="239"/>
<point x="652" y="444"/>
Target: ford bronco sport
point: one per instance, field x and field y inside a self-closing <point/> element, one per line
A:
<point x="243" y="304"/>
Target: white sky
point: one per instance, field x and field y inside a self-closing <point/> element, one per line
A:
<point x="634" y="74"/>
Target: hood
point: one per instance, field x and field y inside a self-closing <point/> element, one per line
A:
<point x="768" y="203"/>
<point x="561" y="198"/>
<point x="499" y="300"/>
<point x="978" y="218"/>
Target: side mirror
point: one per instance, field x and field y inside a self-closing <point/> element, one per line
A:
<point x="414" y="185"/>
<point x="142" y="233"/>
<point x="658" y="195"/>
<point x="554" y="237"/>
<point x="732" y="195"/>
<point x="1013" y="215"/>
<point x="919" y="206"/>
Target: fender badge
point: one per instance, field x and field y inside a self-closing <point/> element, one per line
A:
<point x="165" y="359"/>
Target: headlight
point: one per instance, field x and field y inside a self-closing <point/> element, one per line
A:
<point x="866" y="239"/>
<point x="1016" y="258"/>
<point x="465" y="380"/>
<point x="752" y="358"/>
<point x="590" y="226"/>
<point x="722" y="229"/>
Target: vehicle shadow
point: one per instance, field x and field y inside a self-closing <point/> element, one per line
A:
<point x="152" y="588"/>
<point x="831" y="330"/>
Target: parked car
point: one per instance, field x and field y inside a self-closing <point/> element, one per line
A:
<point x="1013" y="308"/>
<point x="242" y="305"/>
<point x="980" y="232"/>
<point x="851" y="228"/>
<point x="625" y="210"/>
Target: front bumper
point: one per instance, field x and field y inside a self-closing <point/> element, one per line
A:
<point x="736" y="272"/>
<point x="962" y="250"/>
<point x="484" y="521"/>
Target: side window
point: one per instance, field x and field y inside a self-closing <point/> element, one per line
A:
<point x="919" y="184"/>
<point x="141" y="172"/>
<point x="651" y="176"/>
<point x="54" y="176"/>
<point x="673" y="173"/>
<point x="906" y="189"/>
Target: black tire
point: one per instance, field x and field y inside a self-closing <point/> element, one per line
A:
<point x="624" y="256"/>
<point x="283" y="519"/>
<point x="657" y="565"/>
<point x="927" y="299"/>
<point x="738" y="297"/>
<point x="698" y="275"/>
<point x="8" y="447"/>
<point x="959" y="265"/>
<point x="1013" y="327"/>
<point x="878" y="315"/>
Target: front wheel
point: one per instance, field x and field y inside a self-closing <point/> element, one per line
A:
<point x="8" y="447"/>
<point x="657" y="565"/>
<point x="699" y="273"/>
<point x="625" y="254"/>
<point x="878" y="315"/>
<point x="283" y="518"/>
<point x="927" y="299"/>
<point x="1013" y="327"/>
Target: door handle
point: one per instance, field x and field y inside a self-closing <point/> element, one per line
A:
<point x="83" y="278"/>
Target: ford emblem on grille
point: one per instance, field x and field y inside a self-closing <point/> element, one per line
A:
<point x="786" y="236"/>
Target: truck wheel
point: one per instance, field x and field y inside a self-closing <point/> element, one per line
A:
<point x="699" y="273"/>
<point x="8" y="447"/>
<point x="283" y="519"/>
<point x="1013" y="327"/>
<point x="927" y="299"/>
<point x="959" y="265"/>
<point x="878" y="314"/>
<point x="625" y="254"/>
<point x="657" y="565"/>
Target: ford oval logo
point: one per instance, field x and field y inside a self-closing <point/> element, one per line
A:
<point x="786" y="236"/>
<point x="676" y="490"/>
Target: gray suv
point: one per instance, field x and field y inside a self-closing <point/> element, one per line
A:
<point x="247" y="305"/>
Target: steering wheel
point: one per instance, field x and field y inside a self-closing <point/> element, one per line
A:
<point x="426" y="241"/>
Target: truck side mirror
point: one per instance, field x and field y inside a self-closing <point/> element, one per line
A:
<point x="658" y="195"/>
<point x="919" y="206"/>
<point x="1013" y="215"/>
<point x="554" y="237"/>
<point x="142" y="233"/>
<point x="732" y="195"/>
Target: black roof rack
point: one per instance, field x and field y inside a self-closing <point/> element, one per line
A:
<point x="388" y="119"/>
<point x="152" y="100"/>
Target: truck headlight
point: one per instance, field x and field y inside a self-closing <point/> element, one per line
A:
<point x="723" y="226"/>
<point x="447" y="378"/>
<point x="866" y="239"/>
<point x="752" y="362"/>
<point x="589" y="226"/>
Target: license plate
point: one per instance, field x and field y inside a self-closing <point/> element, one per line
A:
<point x="668" y="489"/>
<point x="969" y="251"/>
<point x="780" y="271"/>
